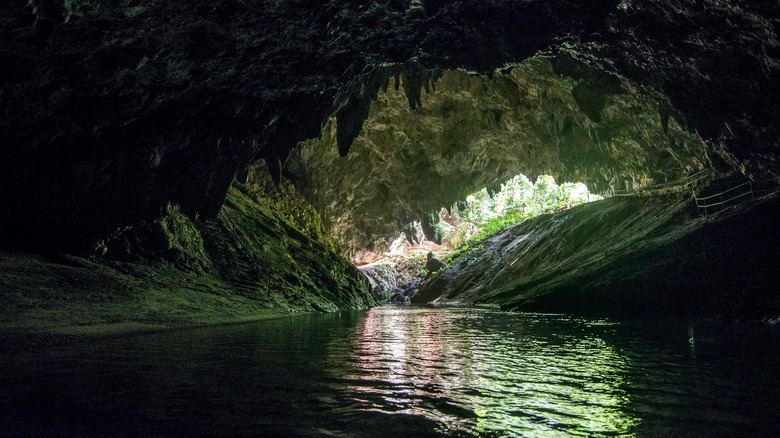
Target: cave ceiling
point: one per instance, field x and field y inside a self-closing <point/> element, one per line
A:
<point x="419" y="152"/>
<point x="112" y="110"/>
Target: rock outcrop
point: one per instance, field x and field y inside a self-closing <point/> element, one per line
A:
<point x="263" y="255"/>
<point x="383" y="279"/>
<point x="627" y="256"/>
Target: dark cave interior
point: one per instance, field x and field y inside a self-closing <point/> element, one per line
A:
<point x="140" y="133"/>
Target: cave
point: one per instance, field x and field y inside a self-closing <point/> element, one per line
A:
<point x="170" y="169"/>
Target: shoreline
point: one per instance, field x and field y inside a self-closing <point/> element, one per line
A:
<point x="47" y="302"/>
<point x="21" y="339"/>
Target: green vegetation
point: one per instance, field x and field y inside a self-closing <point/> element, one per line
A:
<point x="283" y="266"/>
<point x="134" y="11"/>
<point x="284" y="202"/>
<point x="517" y="200"/>
<point x="68" y="5"/>
<point x="184" y="242"/>
<point x="265" y="254"/>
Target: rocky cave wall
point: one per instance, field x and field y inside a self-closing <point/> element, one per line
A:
<point x="112" y="110"/>
<point x="418" y="153"/>
<point x="265" y="255"/>
<point x="627" y="256"/>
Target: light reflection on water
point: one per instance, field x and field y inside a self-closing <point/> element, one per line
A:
<point x="468" y="373"/>
<point x="402" y="371"/>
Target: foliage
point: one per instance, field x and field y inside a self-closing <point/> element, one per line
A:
<point x="520" y="195"/>
<point x="518" y="200"/>
<point x="284" y="202"/>
<point x="462" y="251"/>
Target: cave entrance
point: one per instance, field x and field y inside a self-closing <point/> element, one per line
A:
<point x="429" y="144"/>
<point x="486" y="212"/>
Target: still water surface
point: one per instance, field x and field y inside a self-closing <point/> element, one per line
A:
<point x="403" y="371"/>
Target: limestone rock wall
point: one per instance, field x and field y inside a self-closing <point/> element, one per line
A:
<point x="111" y="110"/>
<point x="625" y="257"/>
<point x="252" y="261"/>
<point x="466" y="131"/>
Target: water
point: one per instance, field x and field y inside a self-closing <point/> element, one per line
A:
<point x="403" y="371"/>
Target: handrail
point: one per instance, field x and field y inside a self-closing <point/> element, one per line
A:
<point x="662" y="187"/>
<point x="691" y="177"/>
<point x="689" y="180"/>
<point x="725" y="191"/>
<point x="725" y="200"/>
<point x="703" y="202"/>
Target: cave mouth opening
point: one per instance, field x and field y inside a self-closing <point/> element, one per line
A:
<point x="483" y="213"/>
<point x="427" y="144"/>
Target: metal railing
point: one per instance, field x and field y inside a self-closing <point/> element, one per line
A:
<point x="718" y="199"/>
<point x="732" y="194"/>
<point x="667" y="187"/>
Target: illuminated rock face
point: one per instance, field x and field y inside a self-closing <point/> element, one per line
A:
<point x="626" y="256"/>
<point x="470" y="131"/>
<point x="111" y="111"/>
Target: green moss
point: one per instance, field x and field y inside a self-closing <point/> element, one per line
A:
<point x="247" y="263"/>
<point x="185" y="243"/>
<point x="283" y="201"/>
<point x="250" y="261"/>
<point x="134" y="11"/>
<point x="252" y="243"/>
<point x="68" y="5"/>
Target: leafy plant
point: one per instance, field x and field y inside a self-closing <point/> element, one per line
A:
<point x="518" y="200"/>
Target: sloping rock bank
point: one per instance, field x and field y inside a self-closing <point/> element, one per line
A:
<point x="626" y="256"/>
<point x="250" y="262"/>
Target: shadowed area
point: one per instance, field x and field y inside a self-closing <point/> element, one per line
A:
<point x="135" y="136"/>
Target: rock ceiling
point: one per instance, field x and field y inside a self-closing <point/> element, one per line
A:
<point x="417" y="154"/>
<point x="111" y="110"/>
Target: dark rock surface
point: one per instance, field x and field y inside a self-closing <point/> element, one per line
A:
<point x="629" y="256"/>
<point x="249" y="262"/>
<point x="112" y="110"/>
<point x="433" y="264"/>
<point x="383" y="279"/>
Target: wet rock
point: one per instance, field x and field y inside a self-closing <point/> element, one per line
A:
<point x="624" y="257"/>
<point x="250" y="262"/>
<point x="405" y="293"/>
<point x="173" y="238"/>
<point x="430" y="227"/>
<point x="383" y="280"/>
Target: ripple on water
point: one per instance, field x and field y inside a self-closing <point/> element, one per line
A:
<point x="473" y="372"/>
<point x="402" y="371"/>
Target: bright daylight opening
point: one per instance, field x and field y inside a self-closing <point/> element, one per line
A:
<point x="485" y="213"/>
<point x="461" y="227"/>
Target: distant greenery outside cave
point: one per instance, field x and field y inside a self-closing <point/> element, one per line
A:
<point x="481" y="215"/>
<point x="485" y="213"/>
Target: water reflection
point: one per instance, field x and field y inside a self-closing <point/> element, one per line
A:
<point x="401" y="371"/>
<point x="474" y="373"/>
